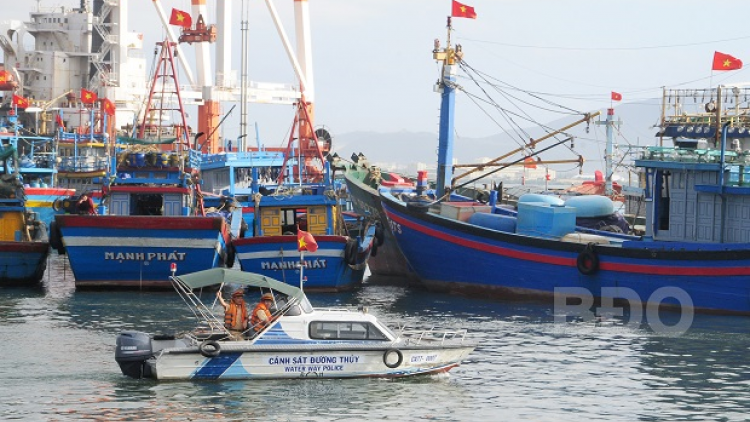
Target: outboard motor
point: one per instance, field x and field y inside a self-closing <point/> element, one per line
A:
<point x="132" y="351"/>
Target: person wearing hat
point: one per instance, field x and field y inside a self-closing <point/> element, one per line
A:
<point x="261" y="316"/>
<point x="235" y="313"/>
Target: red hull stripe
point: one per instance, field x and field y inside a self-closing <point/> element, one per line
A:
<point x="23" y="246"/>
<point x="288" y="238"/>
<point x="149" y="189"/>
<point x="550" y="259"/>
<point x="141" y="222"/>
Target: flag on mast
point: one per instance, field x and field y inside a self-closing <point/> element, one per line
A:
<point x="461" y="10"/>
<point x="306" y="241"/>
<point x="180" y="18"/>
<point x="725" y="62"/>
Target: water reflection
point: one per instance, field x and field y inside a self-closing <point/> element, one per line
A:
<point x="58" y="346"/>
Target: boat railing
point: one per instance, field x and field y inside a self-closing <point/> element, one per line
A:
<point x="443" y="336"/>
<point x="82" y="164"/>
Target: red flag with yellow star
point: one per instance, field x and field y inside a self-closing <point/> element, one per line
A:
<point x="20" y="102"/>
<point x="180" y="18"/>
<point x="725" y="62"/>
<point x="108" y="107"/>
<point x="306" y="241"/>
<point x="463" y="11"/>
<point x="88" y="97"/>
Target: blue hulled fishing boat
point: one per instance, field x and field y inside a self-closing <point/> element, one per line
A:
<point x="695" y="254"/>
<point x="23" y="237"/>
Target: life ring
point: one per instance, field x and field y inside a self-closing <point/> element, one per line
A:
<point x="231" y="253"/>
<point x="379" y="235"/>
<point x="210" y="348"/>
<point x="387" y="358"/>
<point x="588" y="261"/>
<point x="350" y="252"/>
<point x="374" y="249"/>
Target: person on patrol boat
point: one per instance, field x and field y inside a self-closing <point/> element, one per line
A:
<point x="235" y="313"/>
<point x="261" y="316"/>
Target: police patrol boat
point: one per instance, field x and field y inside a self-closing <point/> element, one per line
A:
<point x="300" y="342"/>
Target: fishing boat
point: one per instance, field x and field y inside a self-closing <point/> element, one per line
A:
<point x="306" y="198"/>
<point x="301" y="342"/>
<point x="23" y="237"/>
<point x="153" y="215"/>
<point x="694" y="256"/>
<point x="303" y="195"/>
<point x="363" y="182"/>
<point x="37" y="167"/>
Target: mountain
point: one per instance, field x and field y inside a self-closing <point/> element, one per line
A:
<point x="403" y="150"/>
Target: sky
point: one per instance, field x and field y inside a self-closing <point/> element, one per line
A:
<point x="373" y="66"/>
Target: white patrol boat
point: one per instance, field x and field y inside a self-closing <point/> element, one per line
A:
<point x="301" y="342"/>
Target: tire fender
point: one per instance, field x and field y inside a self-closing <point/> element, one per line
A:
<point x="379" y="235"/>
<point x="350" y="252"/>
<point x="588" y="261"/>
<point x="210" y="348"/>
<point x="387" y="358"/>
<point x="230" y="255"/>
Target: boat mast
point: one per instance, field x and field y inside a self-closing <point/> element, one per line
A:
<point x="446" y="87"/>
<point x="243" y="82"/>
<point x="608" y="153"/>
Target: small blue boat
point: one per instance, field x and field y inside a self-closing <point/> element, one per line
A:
<point x="23" y="237"/>
<point x="305" y="197"/>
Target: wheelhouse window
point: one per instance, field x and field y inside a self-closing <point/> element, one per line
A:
<point x="334" y="330"/>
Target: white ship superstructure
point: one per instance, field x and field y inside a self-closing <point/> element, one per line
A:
<point x="86" y="47"/>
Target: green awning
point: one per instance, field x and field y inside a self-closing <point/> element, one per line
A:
<point x="217" y="276"/>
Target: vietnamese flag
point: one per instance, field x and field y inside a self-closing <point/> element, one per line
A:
<point x="463" y="11"/>
<point x="180" y="18"/>
<point x="725" y="62"/>
<point x="108" y="107"/>
<point x="59" y="121"/>
<point x="20" y="102"/>
<point x="88" y="97"/>
<point x="616" y="96"/>
<point x="306" y="241"/>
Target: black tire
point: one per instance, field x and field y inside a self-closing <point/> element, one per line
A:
<point x="387" y="361"/>
<point x="55" y="238"/>
<point x="379" y="235"/>
<point x="229" y="256"/>
<point x="57" y="205"/>
<point x="350" y="252"/>
<point x="588" y="261"/>
<point x="210" y="348"/>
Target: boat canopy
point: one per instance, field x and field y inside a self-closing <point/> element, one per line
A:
<point x="217" y="276"/>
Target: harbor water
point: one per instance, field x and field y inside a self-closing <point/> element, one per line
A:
<point x="58" y="364"/>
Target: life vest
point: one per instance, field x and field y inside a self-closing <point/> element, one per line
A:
<point x="231" y="313"/>
<point x="256" y="322"/>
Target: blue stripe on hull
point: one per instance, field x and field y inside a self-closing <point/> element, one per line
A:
<point x="481" y="263"/>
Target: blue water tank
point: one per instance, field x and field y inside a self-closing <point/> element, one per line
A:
<point x="538" y="197"/>
<point x="504" y="223"/>
<point x="591" y="205"/>
<point x="542" y="220"/>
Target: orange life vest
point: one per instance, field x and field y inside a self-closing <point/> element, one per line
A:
<point x="256" y="322"/>
<point x="231" y="314"/>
